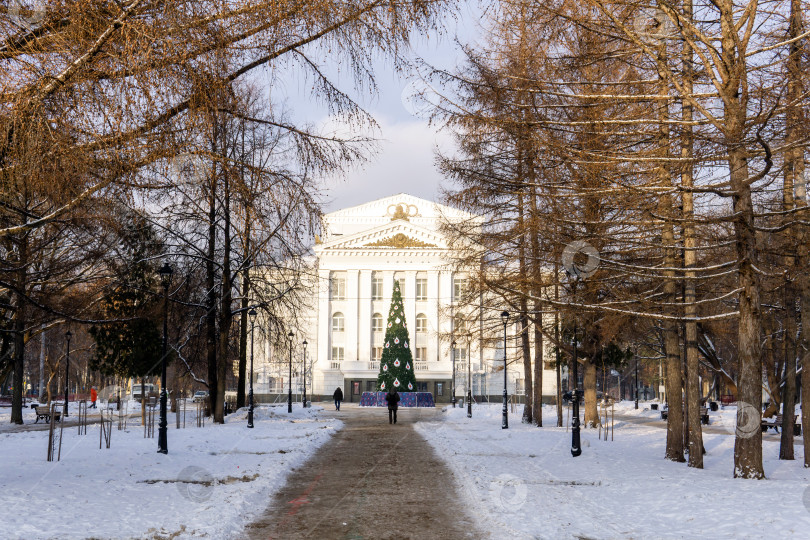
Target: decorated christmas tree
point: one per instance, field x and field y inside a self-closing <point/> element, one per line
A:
<point x="396" y="365"/>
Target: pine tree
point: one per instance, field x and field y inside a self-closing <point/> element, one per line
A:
<point x="396" y="366"/>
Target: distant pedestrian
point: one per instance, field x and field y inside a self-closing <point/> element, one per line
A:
<point x="93" y="397"/>
<point x="392" y="397"/>
<point x="118" y="402"/>
<point x="338" y="395"/>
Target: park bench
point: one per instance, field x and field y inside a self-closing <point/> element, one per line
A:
<point x="704" y="414"/>
<point x="44" y="413"/>
<point x="776" y="423"/>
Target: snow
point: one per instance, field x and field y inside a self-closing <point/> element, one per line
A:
<point x="213" y="481"/>
<point x="523" y="482"/>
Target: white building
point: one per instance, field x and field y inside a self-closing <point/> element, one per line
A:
<point x="363" y="250"/>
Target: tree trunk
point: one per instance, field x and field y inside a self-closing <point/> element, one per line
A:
<point x="537" y="383"/>
<point x="748" y="442"/>
<point x="225" y="310"/>
<point x="19" y="333"/>
<point x="525" y="347"/>
<point x="243" y="342"/>
<point x="674" y="385"/>
<point x="591" y="417"/>
<point x="789" y="390"/>
<point x="693" y="393"/>
<point x="794" y="176"/>
<point x="210" y="283"/>
<point x="537" y="288"/>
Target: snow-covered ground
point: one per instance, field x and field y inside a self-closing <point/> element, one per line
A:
<point x="213" y="481"/>
<point x="523" y="482"/>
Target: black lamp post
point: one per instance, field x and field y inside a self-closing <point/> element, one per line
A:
<point x="165" y="279"/>
<point x="305" y="373"/>
<point x="252" y="315"/>
<point x="289" y="394"/>
<point x="576" y="448"/>
<point x="68" y="335"/>
<point x="453" y="382"/>
<point x="505" y="422"/>
<point x="469" y="381"/>
<point x="636" y="388"/>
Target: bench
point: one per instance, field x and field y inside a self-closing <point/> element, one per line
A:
<point x="776" y="423"/>
<point x="704" y="414"/>
<point x="45" y="414"/>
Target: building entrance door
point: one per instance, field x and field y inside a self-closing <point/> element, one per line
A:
<point x="354" y="388"/>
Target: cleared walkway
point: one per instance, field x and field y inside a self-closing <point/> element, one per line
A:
<point x="371" y="480"/>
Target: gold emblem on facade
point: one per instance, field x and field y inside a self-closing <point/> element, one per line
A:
<point x="401" y="240"/>
<point x="402" y="211"/>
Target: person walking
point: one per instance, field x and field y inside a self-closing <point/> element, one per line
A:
<point x="338" y="395"/>
<point x="392" y="397"/>
<point x="93" y="397"/>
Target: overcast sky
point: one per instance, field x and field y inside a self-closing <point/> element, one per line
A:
<point x="405" y="160"/>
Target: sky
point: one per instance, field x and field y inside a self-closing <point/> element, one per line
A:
<point x="406" y="149"/>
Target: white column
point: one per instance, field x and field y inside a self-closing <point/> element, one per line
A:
<point x="364" y="316"/>
<point x="388" y="291"/>
<point x="446" y="298"/>
<point x="321" y="361"/>
<point x="352" y="312"/>
<point x="409" y="302"/>
<point x="434" y="301"/>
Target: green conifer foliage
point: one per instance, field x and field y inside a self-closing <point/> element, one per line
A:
<point x="396" y="365"/>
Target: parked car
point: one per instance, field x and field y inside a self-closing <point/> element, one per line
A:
<point x="200" y="395"/>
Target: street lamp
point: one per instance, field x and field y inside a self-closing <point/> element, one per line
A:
<point x="305" y="372"/>
<point x="576" y="448"/>
<point x="453" y="382"/>
<point x="505" y="422"/>
<point x="636" y="389"/>
<point x="252" y="315"/>
<point x="165" y="279"/>
<point x="68" y="335"/>
<point x="469" y="380"/>
<point x="289" y="394"/>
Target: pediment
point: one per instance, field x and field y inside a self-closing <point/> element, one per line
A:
<point x="388" y="207"/>
<point x="398" y="234"/>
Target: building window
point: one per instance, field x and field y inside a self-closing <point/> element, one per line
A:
<point x="376" y="323"/>
<point x="421" y="289"/>
<point x="338" y="288"/>
<point x="421" y="386"/>
<point x="369" y="386"/>
<point x="421" y="323"/>
<point x="459" y="324"/>
<point x="338" y="322"/>
<point x="421" y="354"/>
<point x="376" y="287"/>
<point x="376" y="354"/>
<point x="461" y="355"/>
<point x="439" y="389"/>
<point x="337" y="354"/>
<point x="356" y="388"/>
<point x="459" y="288"/>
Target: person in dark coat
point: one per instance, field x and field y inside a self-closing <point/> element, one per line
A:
<point x="392" y="397"/>
<point x="338" y="395"/>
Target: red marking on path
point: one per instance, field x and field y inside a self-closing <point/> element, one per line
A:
<point x="303" y="499"/>
<point x="298" y="502"/>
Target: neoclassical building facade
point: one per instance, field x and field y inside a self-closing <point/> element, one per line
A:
<point x="362" y="250"/>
